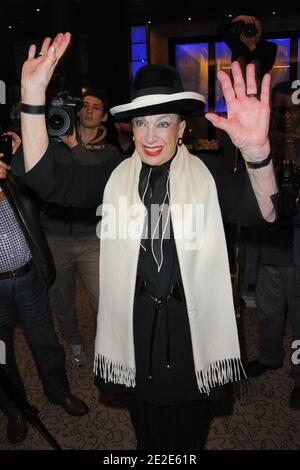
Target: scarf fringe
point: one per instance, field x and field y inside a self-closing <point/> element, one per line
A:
<point x="219" y="373"/>
<point x="112" y="371"/>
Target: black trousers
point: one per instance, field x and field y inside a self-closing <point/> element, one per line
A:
<point x="274" y="292"/>
<point x="181" y="427"/>
<point x="25" y="299"/>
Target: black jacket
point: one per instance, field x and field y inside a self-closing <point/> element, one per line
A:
<point x="21" y="200"/>
<point x="63" y="180"/>
<point x="77" y="221"/>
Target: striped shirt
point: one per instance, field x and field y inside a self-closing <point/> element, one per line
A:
<point x="14" y="249"/>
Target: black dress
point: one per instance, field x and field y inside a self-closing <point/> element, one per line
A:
<point x="165" y="409"/>
<point x="165" y="373"/>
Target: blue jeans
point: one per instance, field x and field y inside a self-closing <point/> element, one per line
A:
<point x="25" y="299"/>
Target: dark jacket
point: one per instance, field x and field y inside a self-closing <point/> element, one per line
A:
<point x="77" y="221"/>
<point x="63" y="180"/>
<point x="21" y="200"/>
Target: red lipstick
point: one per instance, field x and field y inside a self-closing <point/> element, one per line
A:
<point x="152" y="151"/>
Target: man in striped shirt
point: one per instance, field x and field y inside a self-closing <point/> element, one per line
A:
<point x="26" y="271"/>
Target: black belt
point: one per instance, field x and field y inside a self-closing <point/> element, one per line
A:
<point x="17" y="272"/>
<point x="177" y="292"/>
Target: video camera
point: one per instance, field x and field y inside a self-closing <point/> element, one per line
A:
<point x="249" y="29"/>
<point x="61" y="114"/>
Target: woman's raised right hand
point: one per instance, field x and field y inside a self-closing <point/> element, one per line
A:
<point x="38" y="70"/>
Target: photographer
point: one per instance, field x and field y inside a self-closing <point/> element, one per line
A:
<point x="71" y="231"/>
<point x="243" y="34"/>
<point x="278" y="280"/>
<point x="26" y="272"/>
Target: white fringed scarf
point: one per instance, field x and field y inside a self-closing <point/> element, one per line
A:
<point x="204" y="271"/>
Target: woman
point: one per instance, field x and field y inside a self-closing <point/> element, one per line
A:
<point x="162" y="333"/>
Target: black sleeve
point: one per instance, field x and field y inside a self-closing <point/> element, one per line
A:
<point x="265" y="52"/>
<point x="58" y="178"/>
<point x="237" y="199"/>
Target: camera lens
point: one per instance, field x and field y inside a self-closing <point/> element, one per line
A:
<point x="58" y="122"/>
<point x="250" y="30"/>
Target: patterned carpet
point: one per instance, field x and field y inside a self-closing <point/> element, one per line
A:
<point x="261" y="418"/>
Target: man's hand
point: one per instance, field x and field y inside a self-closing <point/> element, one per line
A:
<point x="70" y="140"/>
<point x="249" y="42"/>
<point x="3" y="168"/>
<point x="16" y="141"/>
<point x="248" y="117"/>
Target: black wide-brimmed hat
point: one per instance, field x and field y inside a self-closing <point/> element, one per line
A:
<point x="157" y="89"/>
